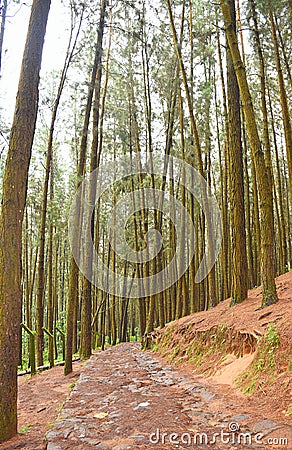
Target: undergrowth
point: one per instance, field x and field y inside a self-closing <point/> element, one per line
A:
<point x="264" y="363"/>
<point x="197" y="347"/>
<point x="206" y="350"/>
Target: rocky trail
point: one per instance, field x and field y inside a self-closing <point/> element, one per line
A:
<point x="129" y="399"/>
<point x="124" y="398"/>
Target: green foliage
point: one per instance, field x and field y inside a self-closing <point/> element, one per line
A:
<point x="155" y="348"/>
<point x="60" y="407"/>
<point x="24" y="428"/>
<point x="272" y="338"/>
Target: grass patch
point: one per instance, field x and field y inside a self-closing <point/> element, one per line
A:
<point x="59" y="409"/>
<point x="155" y="348"/>
<point x="24" y="428"/>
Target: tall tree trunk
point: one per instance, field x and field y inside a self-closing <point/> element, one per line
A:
<point x="181" y="297"/>
<point x="265" y="185"/>
<point x="86" y="309"/>
<point x="239" y="256"/>
<point x="267" y="142"/>
<point x="42" y="233"/>
<point x="41" y="261"/>
<point x="278" y="178"/>
<point x="256" y="221"/>
<point x="72" y="304"/>
<point x="224" y="177"/>
<point x="283" y="101"/>
<point x="13" y="204"/>
<point x="199" y="161"/>
<point x="50" y="304"/>
<point x="250" y="257"/>
<point x="284" y="52"/>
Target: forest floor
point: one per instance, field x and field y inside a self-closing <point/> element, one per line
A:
<point x="40" y="399"/>
<point x="128" y="399"/>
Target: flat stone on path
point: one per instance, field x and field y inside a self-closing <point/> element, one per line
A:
<point x="127" y="399"/>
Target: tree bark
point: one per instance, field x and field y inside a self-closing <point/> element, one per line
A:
<point x="74" y="271"/>
<point x="265" y="186"/>
<point x="284" y="102"/>
<point x="42" y="233"/>
<point x="13" y="204"/>
<point x="86" y="308"/>
<point x="194" y="129"/>
<point x="239" y="255"/>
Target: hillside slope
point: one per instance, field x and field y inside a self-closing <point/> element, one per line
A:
<point x="244" y="346"/>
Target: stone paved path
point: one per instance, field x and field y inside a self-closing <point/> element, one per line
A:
<point x="127" y="399"/>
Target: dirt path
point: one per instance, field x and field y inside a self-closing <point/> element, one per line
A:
<point x="128" y="399"/>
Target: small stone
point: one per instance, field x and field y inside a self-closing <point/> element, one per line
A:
<point x="66" y="433"/>
<point x="95" y="442"/>
<point x="239" y="418"/>
<point x="122" y="447"/>
<point x="51" y="435"/>
<point x="53" y="447"/>
<point x="207" y="395"/>
<point x="141" y="405"/>
<point x="264" y="425"/>
<point x="115" y="415"/>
